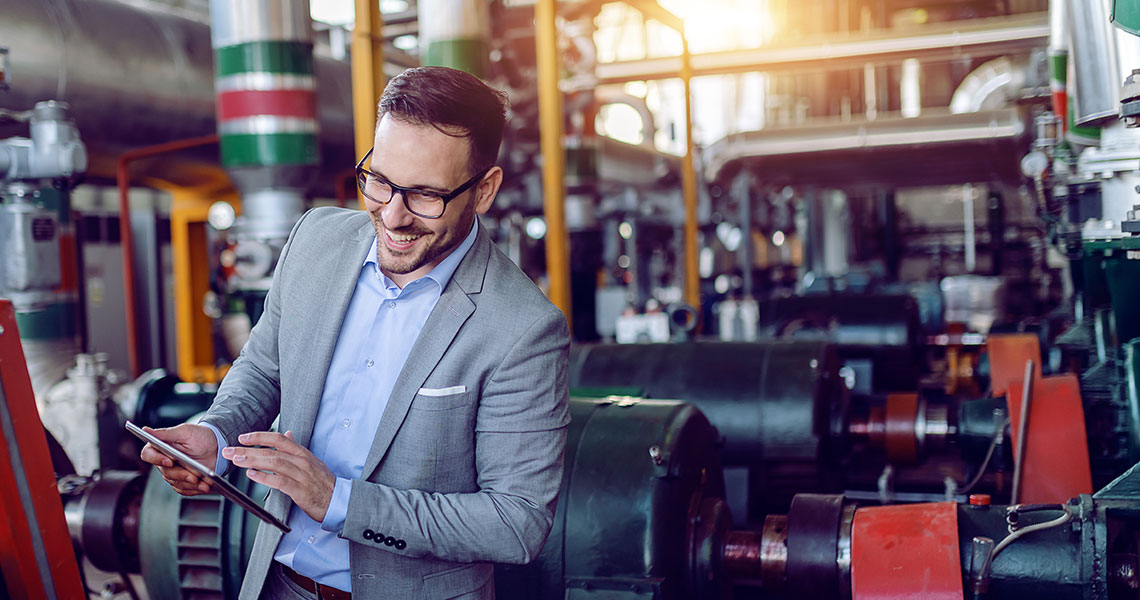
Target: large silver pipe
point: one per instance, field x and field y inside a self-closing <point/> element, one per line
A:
<point x="1095" y="63"/>
<point x="136" y="77"/>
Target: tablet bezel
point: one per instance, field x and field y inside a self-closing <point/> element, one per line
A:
<point x="221" y="486"/>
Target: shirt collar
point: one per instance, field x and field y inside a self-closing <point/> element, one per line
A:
<point x="442" y="272"/>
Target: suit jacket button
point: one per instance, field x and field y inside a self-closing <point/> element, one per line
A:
<point x="378" y="538"/>
<point x="401" y="544"/>
<point x="368" y="534"/>
<point x="388" y="541"/>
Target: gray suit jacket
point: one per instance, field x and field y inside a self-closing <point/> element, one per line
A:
<point x="453" y="483"/>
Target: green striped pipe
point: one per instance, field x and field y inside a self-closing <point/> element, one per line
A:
<point x="263" y="57"/>
<point x="456" y="34"/>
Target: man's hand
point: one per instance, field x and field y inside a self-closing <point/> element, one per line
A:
<point x="285" y="465"/>
<point x="197" y="441"/>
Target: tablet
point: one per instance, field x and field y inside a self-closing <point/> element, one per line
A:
<point x="218" y="482"/>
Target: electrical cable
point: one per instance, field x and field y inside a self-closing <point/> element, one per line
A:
<point x="998" y="435"/>
<point x="983" y="573"/>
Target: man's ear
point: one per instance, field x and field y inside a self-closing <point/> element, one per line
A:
<point x="487" y="189"/>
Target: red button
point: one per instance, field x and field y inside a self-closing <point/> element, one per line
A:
<point x="979" y="499"/>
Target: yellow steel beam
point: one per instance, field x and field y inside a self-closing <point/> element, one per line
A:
<point x="689" y="187"/>
<point x="553" y="157"/>
<point x="367" y="73"/>
<point x="197" y="360"/>
<point x="650" y="9"/>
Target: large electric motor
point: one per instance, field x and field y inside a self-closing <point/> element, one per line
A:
<point x="781" y="407"/>
<point x="641" y="509"/>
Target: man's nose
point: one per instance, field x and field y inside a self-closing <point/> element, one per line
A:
<point x="395" y="213"/>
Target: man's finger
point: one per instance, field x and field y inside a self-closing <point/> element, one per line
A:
<point x="265" y="459"/>
<point x="271" y="439"/>
<point x="154" y="457"/>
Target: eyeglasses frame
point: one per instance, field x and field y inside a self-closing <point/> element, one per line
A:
<point x="447" y="198"/>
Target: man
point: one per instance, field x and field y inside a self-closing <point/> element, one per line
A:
<point x="419" y="375"/>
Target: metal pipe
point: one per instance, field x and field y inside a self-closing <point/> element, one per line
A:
<point x="123" y="177"/>
<point x="367" y="74"/>
<point x="689" y="186"/>
<point x="553" y="159"/>
<point x="986" y="37"/>
<point x="1094" y="59"/>
<point x="110" y="60"/>
<point x="1022" y="430"/>
<point x="968" y="223"/>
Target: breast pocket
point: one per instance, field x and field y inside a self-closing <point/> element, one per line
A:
<point x="437" y="399"/>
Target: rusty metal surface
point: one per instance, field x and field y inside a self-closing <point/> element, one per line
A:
<point x="906" y="551"/>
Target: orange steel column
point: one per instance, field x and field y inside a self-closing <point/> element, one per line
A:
<point x="553" y="156"/>
<point x="367" y="74"/>
<point x="689" y="187"/>
<point x="36" y="557"/>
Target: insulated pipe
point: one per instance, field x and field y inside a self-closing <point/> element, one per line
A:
<point x="267" y="106"/>
<point x="1094" y="62"/>
<point x="456" y="34"/>
<point x="137" y="76"/>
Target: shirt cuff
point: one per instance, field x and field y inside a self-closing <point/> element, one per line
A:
<point x="222" y="465"/>
<point x="338" y="506"/>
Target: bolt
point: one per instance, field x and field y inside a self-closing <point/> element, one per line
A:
<point x="814" y="363"/>
<point x="655" y="454"/>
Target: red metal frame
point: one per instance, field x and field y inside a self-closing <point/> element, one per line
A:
<point x="906" y="551"/>
<point x="1056" y="445"/>
<point x="36" y="555"/>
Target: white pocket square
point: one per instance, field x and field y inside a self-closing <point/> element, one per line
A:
<point x="447" y="391"/>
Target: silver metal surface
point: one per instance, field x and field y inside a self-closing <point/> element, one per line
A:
<point x="1022" y="430"/>
<point x="1094" y="60"/>
<point x="843" y="551"/>
<point x="997" y="36"/>
<point x="243" y="21"/>
<point x="918" y="136"/>
<point x="53" y="151"/>
<point x="29" y="239"/>
<point x="267" y="124"/>
<point x="264" y="82"/>
<point x="993" y="85"/>
<point x="136" y="77"/>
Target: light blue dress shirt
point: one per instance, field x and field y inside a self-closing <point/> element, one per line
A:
<point x="380" y="327"/>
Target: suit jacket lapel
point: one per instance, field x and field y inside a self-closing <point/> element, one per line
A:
<point x="452" y="310"/>
<point x="343" y="270"/>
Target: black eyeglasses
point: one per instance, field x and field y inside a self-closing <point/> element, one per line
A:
<point x="422" y="203"/>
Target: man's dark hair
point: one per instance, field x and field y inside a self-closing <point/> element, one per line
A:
<point x="454" y="102"/>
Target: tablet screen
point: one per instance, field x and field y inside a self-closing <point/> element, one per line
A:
<point x="219" y="483"/>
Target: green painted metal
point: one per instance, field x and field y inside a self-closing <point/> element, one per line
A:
<point x="1126" y="15"/>
<point x="51" y="322"/>
<point x="465" y="54"/>
<point x="1132" y="376"/>
<point x="1114" y="266"/>
<point x="242" y="150"/>
<point x="270" y="57"/>
<point x="1058" y="67"/>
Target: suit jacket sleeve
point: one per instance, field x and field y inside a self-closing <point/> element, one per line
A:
<point x="520" y="435"/>
<point x="249" y="397"/>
